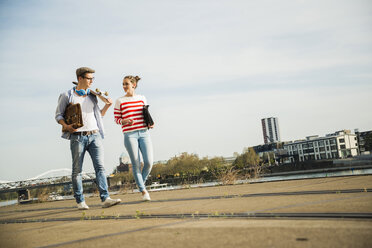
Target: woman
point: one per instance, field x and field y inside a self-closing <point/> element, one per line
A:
<point x="128" y="114"/>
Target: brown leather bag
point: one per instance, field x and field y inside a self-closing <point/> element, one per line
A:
<point x="73" y="115"/>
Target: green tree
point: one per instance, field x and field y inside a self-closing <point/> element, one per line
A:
<point x="268" y="158"/>
<point x="184" y="164"/>
<point x="123" y="177"/>
<point x="249" y="158"/>
<point x="213" y="164"/>
<point x="159" y="170"/>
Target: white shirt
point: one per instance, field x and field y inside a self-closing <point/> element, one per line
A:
<point x="87" y="109"/>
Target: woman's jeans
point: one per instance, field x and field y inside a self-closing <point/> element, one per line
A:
<point x="79" y="144"/>
<point x="136" y="142"/>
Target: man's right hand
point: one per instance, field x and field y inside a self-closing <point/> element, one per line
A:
<point x="68" y="128"/>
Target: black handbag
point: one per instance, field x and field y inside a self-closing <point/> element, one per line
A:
<point x="146" y="116"/>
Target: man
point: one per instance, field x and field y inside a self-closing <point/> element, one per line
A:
<point x="86" y="138"/>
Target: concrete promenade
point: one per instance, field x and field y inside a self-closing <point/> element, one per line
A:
<point x="324" y="212"/>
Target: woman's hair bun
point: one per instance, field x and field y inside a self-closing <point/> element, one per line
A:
<point x="133" y="80"/>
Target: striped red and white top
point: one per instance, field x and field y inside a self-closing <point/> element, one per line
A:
<point x="130" y="108"/>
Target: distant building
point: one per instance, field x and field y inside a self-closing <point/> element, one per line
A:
<point x="341" y="144"/>
<point x="122" y="168"/>
<point x="124" y="163"/>
<point x="271" y="147"/>
<point x="270" y="130"/>
<point x="274" y="148"/>
<point x="364" y="141"/>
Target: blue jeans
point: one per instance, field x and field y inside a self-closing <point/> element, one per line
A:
<point x="79" y="144"/>
<point x="136" y="142"/>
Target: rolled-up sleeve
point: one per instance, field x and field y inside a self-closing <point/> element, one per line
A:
<point x="62" y="104"/>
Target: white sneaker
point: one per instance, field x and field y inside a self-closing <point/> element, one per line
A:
<point x="82" y="206"/>
<point x="110" y="202"/>
<point x="146" y="196"/>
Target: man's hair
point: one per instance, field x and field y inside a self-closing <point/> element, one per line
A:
<point x="80" y="72"/>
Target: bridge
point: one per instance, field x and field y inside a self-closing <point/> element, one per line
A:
<point x="55" y="177"/>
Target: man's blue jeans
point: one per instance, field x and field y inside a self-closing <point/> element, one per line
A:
<point x="79" y="144"/>
<point x="136" y="142"/>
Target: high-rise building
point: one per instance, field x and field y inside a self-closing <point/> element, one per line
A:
<point x="270" y="129"/>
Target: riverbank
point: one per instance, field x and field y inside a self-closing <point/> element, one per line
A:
<point x="280" y="176"/>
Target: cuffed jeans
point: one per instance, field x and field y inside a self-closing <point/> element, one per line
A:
<point x="79" y="144"/>
<point x="136" y="142"/>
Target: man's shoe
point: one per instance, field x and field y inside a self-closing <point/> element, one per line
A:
<point x="146" y="196"/>
<point x="82" y="206"/>
<point x="110" y="202"/>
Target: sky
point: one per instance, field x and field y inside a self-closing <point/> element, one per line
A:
<point x="210" y="69"/>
